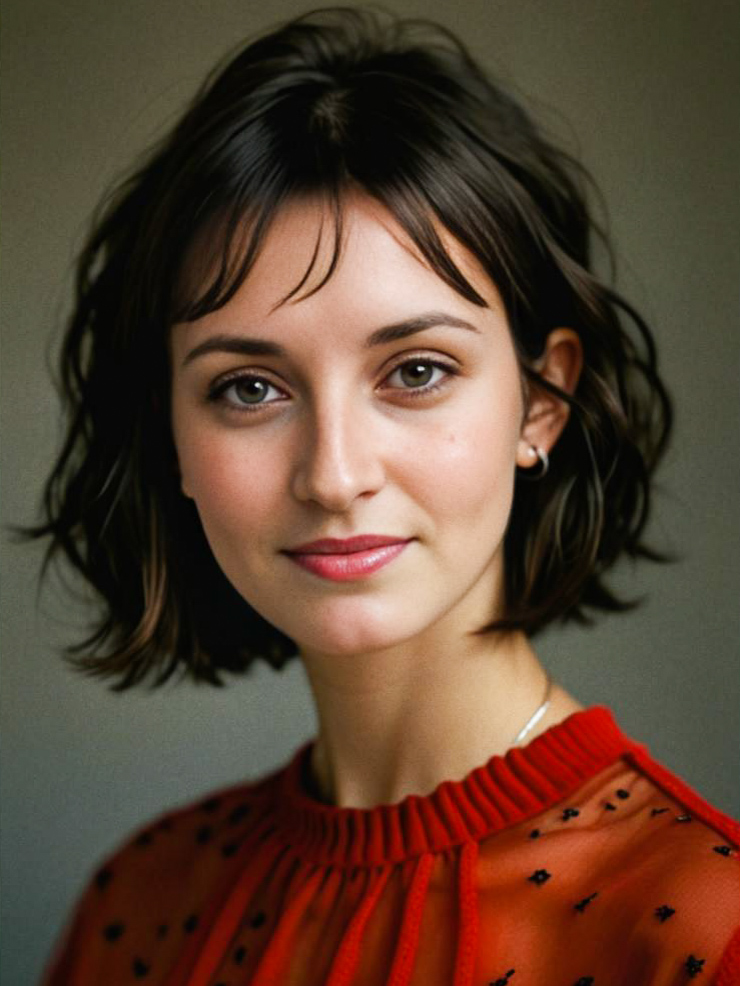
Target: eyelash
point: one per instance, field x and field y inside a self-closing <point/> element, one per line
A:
<point x="218" y="391"/>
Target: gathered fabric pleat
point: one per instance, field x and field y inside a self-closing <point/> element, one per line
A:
<point x="271" y="963"/>
<point x="347" y="956"/>
<point x="467" y="939"/>
<point x="408" y="940"/>
<point x="491" y="797"/>
<point x="226" y="912"/>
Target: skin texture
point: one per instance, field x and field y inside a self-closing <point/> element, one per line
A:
<point x="343" y="444"/>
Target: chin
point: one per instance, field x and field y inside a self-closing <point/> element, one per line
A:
<point x="354" y="629"/>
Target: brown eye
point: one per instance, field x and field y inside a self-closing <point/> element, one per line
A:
<point x="416" y="373"/>
<point x="416" y="377"/>
<point x="250" y="390"/>
<point x="244" y="393"/>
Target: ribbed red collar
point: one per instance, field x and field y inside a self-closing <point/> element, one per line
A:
<point x="502" y="792"/>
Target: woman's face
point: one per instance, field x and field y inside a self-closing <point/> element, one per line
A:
<point x="414" y="437"/>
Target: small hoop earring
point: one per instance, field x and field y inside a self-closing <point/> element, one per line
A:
<point x="544" y="465"/>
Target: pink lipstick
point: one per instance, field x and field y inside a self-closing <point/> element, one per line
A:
<point x="346" y="560"/>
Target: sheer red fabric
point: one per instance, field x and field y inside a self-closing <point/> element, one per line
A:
<point x="577" y="860"/>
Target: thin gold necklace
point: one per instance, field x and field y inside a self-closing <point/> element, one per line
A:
<point x="530" y="724"/>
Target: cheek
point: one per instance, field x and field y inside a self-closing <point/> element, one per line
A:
<point x="234" y="486"/>
<point x="470" y="469"/>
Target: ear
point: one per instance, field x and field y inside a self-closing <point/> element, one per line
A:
<point x="178" y="475"/>
<point x="156" y="403"/>
<point x="560" y="364"/>
<point x="184" y="488"/>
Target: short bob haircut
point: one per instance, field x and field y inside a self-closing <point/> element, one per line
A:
<point x="335" y="100"/>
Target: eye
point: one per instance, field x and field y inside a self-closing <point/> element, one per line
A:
<point x="248" y="392"/>
<point x="416" y="374"/>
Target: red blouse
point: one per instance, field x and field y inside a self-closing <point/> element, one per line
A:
<point x="577" y="860"/>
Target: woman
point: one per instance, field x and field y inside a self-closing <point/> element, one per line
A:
<point x="343" y="387"/>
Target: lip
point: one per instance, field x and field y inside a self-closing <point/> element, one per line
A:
<point x="347" y="566"/>
<point x="338" y="546"/>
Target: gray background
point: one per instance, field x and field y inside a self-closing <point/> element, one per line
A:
<point x="651" y="90"/>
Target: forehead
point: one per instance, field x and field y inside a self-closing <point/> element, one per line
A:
<point x="370" y="262"/>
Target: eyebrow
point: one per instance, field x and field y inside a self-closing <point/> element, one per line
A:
<point x="247" y="346"/>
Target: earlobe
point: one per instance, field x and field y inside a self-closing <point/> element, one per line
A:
<point x="534" y="455"/>
<point x="526" y="454"/>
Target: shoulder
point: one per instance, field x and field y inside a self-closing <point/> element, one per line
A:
<point x="689" y="825"/>
<point x="645" y="875"/>
<point x="187" y="839"/>
<point x="684" y="859"/>
<point x="149" y="893"/>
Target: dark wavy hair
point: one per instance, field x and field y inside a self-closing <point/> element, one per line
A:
<point x="337" y="99"/>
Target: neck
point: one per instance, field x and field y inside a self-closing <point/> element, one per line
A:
<point x="400" y="722"/>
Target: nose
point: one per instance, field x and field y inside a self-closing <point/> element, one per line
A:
<point x="340" y="458"/>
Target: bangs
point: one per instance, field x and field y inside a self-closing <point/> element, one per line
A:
<point x="223" y="252"/>
<point x="324" y="135"/>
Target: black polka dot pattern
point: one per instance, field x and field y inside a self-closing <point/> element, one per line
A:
<point x="583" y="904"/>
<point x="103" y="878"/>
<point x="205" y="833"/>
<point x="503" y="980"/>
<point x="211" y="805"/>
<point x="144" y="946"/>
<point x="239" y="813"/>
<point x="140" y="968"/>
<point x="112" y="932"/>
<point x="694" y="966"/>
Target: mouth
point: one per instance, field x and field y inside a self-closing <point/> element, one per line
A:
<point x="345" y="546"/>
<point x="348" y="566"/>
